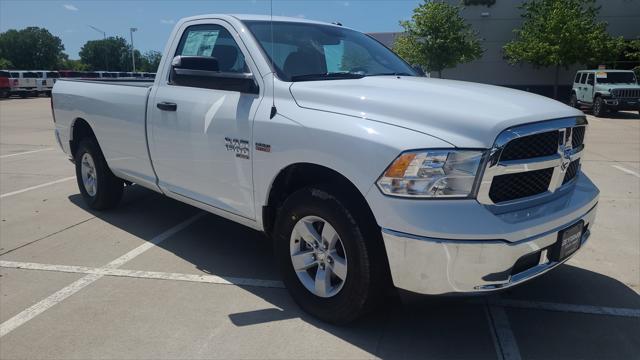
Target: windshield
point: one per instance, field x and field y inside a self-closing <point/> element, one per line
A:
<point x="302" y="51"/>
<point x="615" y="78"/>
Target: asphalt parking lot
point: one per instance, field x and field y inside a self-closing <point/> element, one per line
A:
<point x="159" y="279"/>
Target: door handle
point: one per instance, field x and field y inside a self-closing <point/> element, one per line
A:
<point x="167" y="106"/>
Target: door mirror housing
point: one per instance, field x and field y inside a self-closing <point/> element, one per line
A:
<point x="203" y="72"/>
<point x="199" y="63"/>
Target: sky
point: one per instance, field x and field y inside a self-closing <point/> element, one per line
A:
<point x="70" y="19"/>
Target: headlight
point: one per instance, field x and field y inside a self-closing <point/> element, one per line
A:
<point x="432" y="174"/>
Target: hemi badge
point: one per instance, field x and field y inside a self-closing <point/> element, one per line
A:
<point x="263" y="147"/>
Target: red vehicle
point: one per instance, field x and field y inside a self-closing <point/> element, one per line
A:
<point x="5" y="85"/>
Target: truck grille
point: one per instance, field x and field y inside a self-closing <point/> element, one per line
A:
<point x="532" y="161"/>
<point x="509" y="187"/>
<point x="572" y="171"/>
<point x="527" y="147"/>
<point x="577" y="136"/>
<point x="626" y="93"/>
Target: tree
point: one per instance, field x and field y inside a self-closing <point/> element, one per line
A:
<point x="31" y="48"/>
<point x="150" y="61"/>
<point x="70" y="64"/>
<point x="437" y="37"/>
<point x="112" y="53"/>
<point x="632" y="53"/>
<point x="562" y="33"/>
<point x="5" y="64"/>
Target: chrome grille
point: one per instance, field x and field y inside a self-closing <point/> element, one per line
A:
<point x="543" y="144"/>
<point x="572" y="171"/>
<point x="513" y="186"/>
<point x="577" y="136"/>
<point x="626" y="93"/>
<point x="532" y="161"/>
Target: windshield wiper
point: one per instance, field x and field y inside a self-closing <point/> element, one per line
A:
<point x="392" y="73"/>
<point x="327" y="76"/>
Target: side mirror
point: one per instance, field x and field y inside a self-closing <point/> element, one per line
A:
<point x="203" y="72"/>
<point x="198" y="63"/>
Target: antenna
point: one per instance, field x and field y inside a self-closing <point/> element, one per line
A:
<point x="274" y="111"/>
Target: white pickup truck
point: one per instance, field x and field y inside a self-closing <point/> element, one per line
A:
<point x="365" y="174"/>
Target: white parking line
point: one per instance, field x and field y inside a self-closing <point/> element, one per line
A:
<point x="25" y="153"/>
<point x="507" y="346"/>
<point x="626" y="170"/>
<point x="209" y="279"/>
<point x="37" y="187"/>
<point x="585" y="309"/>
<point x="42" y="306"/>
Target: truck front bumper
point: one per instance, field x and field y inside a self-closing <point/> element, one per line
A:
<point x="471" y="259"/>
<point x="622" y="104"/>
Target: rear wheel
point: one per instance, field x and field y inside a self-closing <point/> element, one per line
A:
<point x="599" y="107"/>
<point x="99" y="187"/>
<point x="332" y="269"/>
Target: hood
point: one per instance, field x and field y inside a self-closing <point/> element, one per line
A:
<point x="462" y="113"/>
<point x="609" y="87"/>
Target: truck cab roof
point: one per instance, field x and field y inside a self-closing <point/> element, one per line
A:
<point x="253" y="17"/>
<point x="603" y="70"/>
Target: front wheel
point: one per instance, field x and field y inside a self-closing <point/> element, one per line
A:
<point x="599" y="107"/>
<point x="573" y="102"/>
<point x="330" y="267"/>
<point x="100" y="189"/>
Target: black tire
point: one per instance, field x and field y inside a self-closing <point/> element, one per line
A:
<point x="599" y="108"/>
<point x="24" y="95"/>
<point x="108" y="188"/>
<point x="367" y="268"/>
<point x="573" y="102"/>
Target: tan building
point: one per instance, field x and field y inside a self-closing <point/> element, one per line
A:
<point x="495" y="25"/>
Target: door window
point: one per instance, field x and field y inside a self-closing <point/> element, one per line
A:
<point x="590" y="79"/>
<point x="213" y="41"/>
<point x="577" y="79"/>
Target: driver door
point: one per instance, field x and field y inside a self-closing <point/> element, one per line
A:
<point x="200" y="134"/>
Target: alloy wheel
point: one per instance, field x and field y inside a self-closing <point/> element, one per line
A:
<point x="318" y="256"/>
<point x="89" y="176"/>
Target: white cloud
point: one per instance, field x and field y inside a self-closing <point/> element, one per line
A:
<point x="301" y="16"/>
<point x="167" y="21"/>
<point x="70" y="7"/>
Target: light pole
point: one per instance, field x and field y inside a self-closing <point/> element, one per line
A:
<point x="104" y="37"/>
<point x="133" y="56"/>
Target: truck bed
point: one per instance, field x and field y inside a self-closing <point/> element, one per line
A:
<point x="124" y="82"/>
<point x="116" y="111"/>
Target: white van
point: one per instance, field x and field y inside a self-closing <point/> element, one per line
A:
<point x="45" y="81"/>
<point x="23" y="83"/>
<point x="106" y="74"/>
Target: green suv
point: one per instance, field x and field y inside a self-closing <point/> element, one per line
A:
<point x="606" y="90"/>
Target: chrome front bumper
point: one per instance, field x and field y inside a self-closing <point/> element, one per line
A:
<point x="439" y="266"/>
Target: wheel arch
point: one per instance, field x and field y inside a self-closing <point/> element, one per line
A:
<point x="302" y="174"/>
<point x="80" y="129"/>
